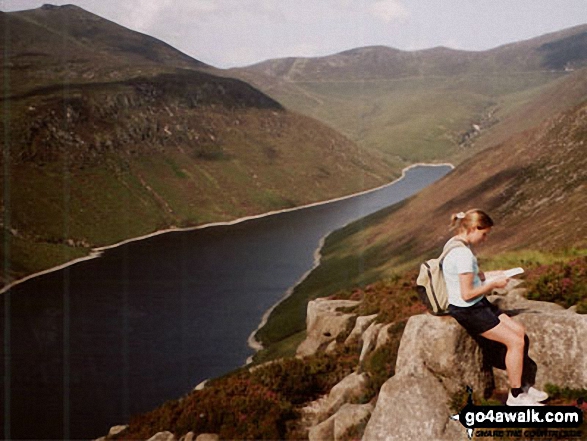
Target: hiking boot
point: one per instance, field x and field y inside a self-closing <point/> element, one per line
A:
<point x="536" y="394"/>
<point x="523" y="399"/>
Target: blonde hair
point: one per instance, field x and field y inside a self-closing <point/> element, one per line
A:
<point x="465" y="221"/>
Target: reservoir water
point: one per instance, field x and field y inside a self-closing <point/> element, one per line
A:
<point x="87" y="346"/>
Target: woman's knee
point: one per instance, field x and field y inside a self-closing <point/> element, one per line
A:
<point x="515" y="327"/>
<point x="515" y="341"/>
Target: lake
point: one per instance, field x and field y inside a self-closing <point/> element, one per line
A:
<point x="89" y="345"/>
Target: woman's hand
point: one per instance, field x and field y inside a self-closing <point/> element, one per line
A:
<point x="470" y="292"/>
<point x="499" y="283"/>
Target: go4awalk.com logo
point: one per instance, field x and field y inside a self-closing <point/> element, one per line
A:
<point x="554" y="422"/>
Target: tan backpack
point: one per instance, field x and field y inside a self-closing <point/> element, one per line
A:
<point x="430" y="283"/>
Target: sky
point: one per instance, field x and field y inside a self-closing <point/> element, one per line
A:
<point x="235" y="33"/>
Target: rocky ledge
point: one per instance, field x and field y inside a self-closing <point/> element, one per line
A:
<point x="436" y="362"/>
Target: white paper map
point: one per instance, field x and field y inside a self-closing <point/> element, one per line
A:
<point x="513" y="272"/>
<point x="491" y="275"/>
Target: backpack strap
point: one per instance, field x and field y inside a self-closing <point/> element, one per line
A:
<point x="450" y="245"/>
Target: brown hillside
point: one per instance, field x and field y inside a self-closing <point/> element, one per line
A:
<point x="534" y="186"/>
<point x="429" y="105"/>
<point x="110" y="134"/>
<point x="69" y="44"/>
<point x="555" y="51"/>
<point x="557" y="97"/>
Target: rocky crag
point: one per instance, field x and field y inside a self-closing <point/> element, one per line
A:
<point x="436" y="361"/>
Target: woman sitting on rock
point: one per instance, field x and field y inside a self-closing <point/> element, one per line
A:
<point x="468" y="305"/>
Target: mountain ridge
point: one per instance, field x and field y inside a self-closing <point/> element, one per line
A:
<point x="432" y="104"/>
<point x="541" y="43"/>
<point x="82" y="25"/>
<point x="112" y="134"/>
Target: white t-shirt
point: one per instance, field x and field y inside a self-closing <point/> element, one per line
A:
<point x="460" y="260"/>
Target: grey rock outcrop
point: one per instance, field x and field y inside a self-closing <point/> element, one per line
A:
<point x="208" y="437"/>
<point x="116" y="430"/>
<point x="369" y="339"/>
<point x="440" y="346"/>
<point x="383" y="336"/>
<point x="361" y="325"/>
<point x="163" y="436"/>
<point x="413" y="407"/>
<point x="558" y="343"/>
<point x="437" y="359"/>
<point x="336" y="427"/>
<point x="324" y="323"/>
<point x="351" y="388"/>
<point x="431" y="366"/>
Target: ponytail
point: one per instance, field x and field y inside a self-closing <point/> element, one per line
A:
<point x="465" y="221"/>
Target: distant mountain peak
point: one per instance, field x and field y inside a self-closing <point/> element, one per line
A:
<point x="50" y="7"/>
<point x="369" y="49"/>
<point x="97" y="36"/>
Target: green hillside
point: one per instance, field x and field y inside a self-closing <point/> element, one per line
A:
<point x="533" y="185"/>
<point x="436" y="104"/>
<point x="109" y="134"/>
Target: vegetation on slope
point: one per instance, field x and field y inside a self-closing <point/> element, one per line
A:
<point x="533" y="186"/>
<point x="109" y="134"/>
<point x="564" y="283"/>
<point x="265" y="401"/>
<point x="424" y="105"/>
<point x="261" y="403"/>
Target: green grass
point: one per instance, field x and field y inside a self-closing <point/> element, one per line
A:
<point x="416" y="118"/>
<point x="32" y="258"/>
<point x="285" y="348"/>
<point x="529" y="258"/>
<point x="343" y="270"/>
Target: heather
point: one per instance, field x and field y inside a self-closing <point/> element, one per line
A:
<point x="260" y="403"/>
<point x="264" y="402"/>
<point x="563" y="283"/>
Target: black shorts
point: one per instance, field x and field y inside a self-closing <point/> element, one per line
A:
<point x="476" y="319"/>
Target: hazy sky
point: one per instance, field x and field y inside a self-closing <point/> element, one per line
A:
<point x="228" y="33"/>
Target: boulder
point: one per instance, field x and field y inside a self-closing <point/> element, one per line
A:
<point x="337" y="426"/>
<point x="383" y="336"/>
<point x="116" y="430"/>
<point x="201" y="385"/>
<point x="369" y="339"/>
<point x="361" y="325"/>
<point x="413" y="407"/>
<point x="557" y="341"/>
<point x="208" y="437"/>
<point x="324" y="323"/>
<point x="163" y="436"/>
<point x="441" y="346"/>
<point x="351" y="388"/>
<point x="437" y="359"/>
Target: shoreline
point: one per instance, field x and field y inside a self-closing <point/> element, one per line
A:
<point x="97" y="252"/>
<point x="253" y="343"/>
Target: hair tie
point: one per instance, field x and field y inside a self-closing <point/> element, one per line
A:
<point x="460" y="215"/>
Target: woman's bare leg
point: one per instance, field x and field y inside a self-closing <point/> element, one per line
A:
<point x="516" y="327"/>
<point x="512" y="337"/>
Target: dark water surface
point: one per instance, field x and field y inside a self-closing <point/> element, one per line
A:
<point x="87" y="346"/>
